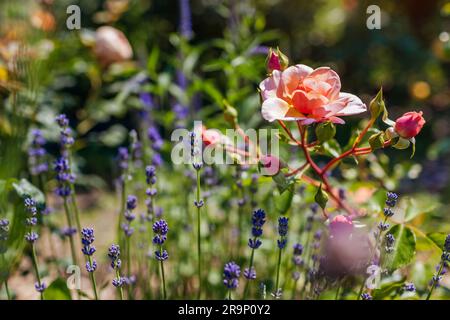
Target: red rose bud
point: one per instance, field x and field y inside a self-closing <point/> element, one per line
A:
<point x="409" y="125"/>
<point x="341" y="226"/>
<point x="276" y="60"/>
<point x="273" y="61"/>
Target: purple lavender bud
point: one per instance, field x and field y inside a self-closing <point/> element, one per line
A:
<point x="298" y="249"/>
<point x="410" y="287"/>
<point x="40" y="287"/>
<point x="31" y="237"/>
<point x="231" y="273"/>
<point x="161" y="256"/>
<point x="146" y="100"/>
<point x="366" y="296"/>
<point x="91" y="267"/>
<point x="160" y="227"/>
<point x="114" y="255"/>
<point x="392" y="199"/>
<point x="62" y="120"/>
<point x="185" y="19"/>
<point x="447" y="243"/>
<point x="131" y="202"/>
<point x="155" y="138"/>
<point x="250" y="274"/>
<point x="283" y="226"/>
<point x="118" y="282"/>
<point x="254" y="244"/>
<point x="123" y="156"/>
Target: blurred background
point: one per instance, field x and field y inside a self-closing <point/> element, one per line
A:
<point x="189" y="57"/>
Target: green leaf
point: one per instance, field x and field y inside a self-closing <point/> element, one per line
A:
<point x="438" y="238"/>
<point x="321" y="197"/>
<point x="283" y="183"/>
<point x="377" y="106"/>
<point x="331" y="148"/>
<point x="58" y="290"/>
<point x="419" y="206"/>
<point x="24" y="188"/>
<point x="404" y="248"/>
<point x="283" y="201"/>
<point x="387" y="289"/>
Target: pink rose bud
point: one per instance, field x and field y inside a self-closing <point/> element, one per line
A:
<point x="341" y="226"/>
<point x="270" y="165"/>
<point x="273" y="61"/>
<point x="409" y="125"/>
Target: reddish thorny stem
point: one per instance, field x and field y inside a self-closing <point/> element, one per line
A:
<point x="322" y="173"/>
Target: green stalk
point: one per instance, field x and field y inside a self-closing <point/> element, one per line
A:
<point x="433" y="285"/>
<point x="277" y="282"/>
<point x="163" y="278"/>
<point x="199" y="248"/>
<point x="338" y="291"/>
<point x="8" y="295"/>
<point x="249" y="268"/>
<point x="129" y="266"/>
<point x="69" y="222"/>
<point x="36" y="268"/>
<point x="119" y="288"/>
<point x="91" y="275"/>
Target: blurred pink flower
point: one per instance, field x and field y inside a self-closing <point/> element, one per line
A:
<point x="111" y="46"/>
<point x="409" y="125"/>
<point x="301" y="93"/>
<point x="341" y="225"/>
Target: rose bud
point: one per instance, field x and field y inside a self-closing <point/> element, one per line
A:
<point x="270" y="165"/>
<point x="341" y="226"/>
<point x="111" y="46"/>
<point x="409" y="125"/>
<point x="276" y="60"/>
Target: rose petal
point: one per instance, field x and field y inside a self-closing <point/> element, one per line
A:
<point x="324" y="80"/>
<point x="278" y="109"/>
<point x="353" y="105"/>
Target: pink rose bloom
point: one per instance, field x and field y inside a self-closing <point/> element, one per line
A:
<point x="301" y="93"/>
<point x="409" y="125"/>
<point x="111" y="46"/>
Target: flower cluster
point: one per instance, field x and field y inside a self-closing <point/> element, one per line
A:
<point x="390" y="239"/>
<point x="156" y="144"/>
<point x="31" y="221"/>
<point x="87" y="239"/>
<point x="160" y="228"/>
<point x="4" y="229"/>
<point x="123" y="157"/>
<point x="64" y="176"/>
<point x="129" y="215"/>
<point x="231" y="273"/>
<point x="391" y="202"/>
<point x="66" y="139"/>
<point x="116" y="263"/>
<point x="37" y="153"/>
<point x="282" y="232"/>
<point x="150" y="176"/>
<point x="258" y="220"/>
